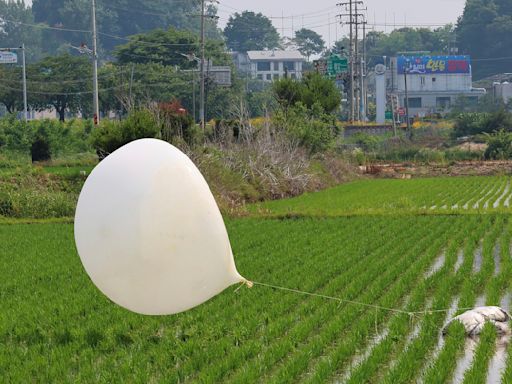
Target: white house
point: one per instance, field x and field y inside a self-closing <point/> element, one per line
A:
<point x="270" y="65"/>
<point x="433" y="82"/>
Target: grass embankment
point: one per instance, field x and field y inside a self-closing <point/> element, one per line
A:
<point x="50" y="190"/>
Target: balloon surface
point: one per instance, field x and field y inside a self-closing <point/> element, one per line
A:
<point x="149" y="232"/>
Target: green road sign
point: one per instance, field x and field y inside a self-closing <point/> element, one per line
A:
<point x="336" y="65"/>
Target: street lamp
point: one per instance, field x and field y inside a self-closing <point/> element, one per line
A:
<point x="193" y="57"/>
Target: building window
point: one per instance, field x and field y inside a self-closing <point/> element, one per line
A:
<point x="269" y="76"/>
<point x="276" y="66"/>
<point x="414" y="102"/>
<point x="422" y="80"/>
<point x="276" y="76"/>
<point x="293" y="76"/>
<point x="433" y="79"/>
<point x="260" y="77"/>
<point x="289" y="65"/>
<point x="264" y="66"/>
<point x="443" y="102"/>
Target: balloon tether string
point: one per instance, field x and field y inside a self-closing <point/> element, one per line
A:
<point x="245" y="283"/>
<point x="250" y="284"/>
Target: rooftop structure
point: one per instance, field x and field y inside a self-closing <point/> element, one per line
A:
<point x="270" y="65"/>
<point x="433" y="82"/>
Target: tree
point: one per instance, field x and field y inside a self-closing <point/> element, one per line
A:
<point x="61" y="82"/>
<point x="121" y="18"/>
<point x="483" y="31"/>
<point x="11" y="90"/>
<point x="14" y="35"/>
<point x="437" y="41"/>
<point x="159" y="46"/>
<point x="171" y="47"/>
<point x="151" y="82"/>
<point x="312" y="91"/>
<point x="249" y="31"/>
<point x="322" y="91"/>
<point x="309" y="42"/>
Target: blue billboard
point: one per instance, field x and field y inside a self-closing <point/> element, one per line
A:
<point x="434" y="64"/>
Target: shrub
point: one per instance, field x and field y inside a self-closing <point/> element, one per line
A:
<point x="40" y="149"/>
<point x="112" y="135"/>
<point x="368" y="143"/>
<point x="176" y="122"/>
<point x="468" y="124"/>
<point x="500" y="146"/>
<point x="311" y="129"/>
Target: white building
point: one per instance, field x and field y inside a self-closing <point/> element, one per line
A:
<point x="433" y="82"/>
<point x="270" y="65"/>
<point x="503" y="91"/>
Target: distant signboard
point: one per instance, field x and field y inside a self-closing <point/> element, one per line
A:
<point x="433" y="65"/>
<point x="220" y="75"/>
<point x="336" y="65"/>
<point x="7" y="57"/>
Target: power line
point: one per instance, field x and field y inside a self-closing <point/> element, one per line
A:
<point x="122" y="86"/>
<point x="44" y="26"/>
<point x="324" y="10"/>
<point x="125" y="38"/>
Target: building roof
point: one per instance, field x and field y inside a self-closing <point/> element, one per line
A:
<point x="275" y="55"/>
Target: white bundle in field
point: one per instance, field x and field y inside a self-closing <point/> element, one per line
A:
<point x="475" y="319"/>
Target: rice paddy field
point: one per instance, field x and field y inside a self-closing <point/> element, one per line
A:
<point x="416" y="253"/>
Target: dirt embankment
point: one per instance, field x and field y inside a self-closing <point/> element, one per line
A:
<point x="461" y="168"/>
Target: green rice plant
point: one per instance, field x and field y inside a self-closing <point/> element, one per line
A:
<point x="56" y="326"/>
<point x="406" y="366"/>
<point x="301" y="330"/>
<point x="365" y="324"/>
<point x="477" y="373"/>
<point x="428" y="195"/>
<point x="441" y="370"/>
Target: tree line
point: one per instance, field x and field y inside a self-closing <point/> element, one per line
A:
<point x="153" y="66"/>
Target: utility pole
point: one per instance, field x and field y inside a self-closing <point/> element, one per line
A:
<point x="353" y="20"/>
<point x="25" y="103"/>
<point x="362" y="85"/>
<point x="357" y="76"/>
<point x="95" y="100"/>
<point x="131" y="82"/>
<point x="406" y="69"/>
<point x="201" y="75"/>
<point x="351" y="62"/>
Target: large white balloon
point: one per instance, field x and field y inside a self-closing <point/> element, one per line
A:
<point x="149" y="233"/>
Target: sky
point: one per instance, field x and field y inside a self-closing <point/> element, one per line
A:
<point x="320" y="15"/>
